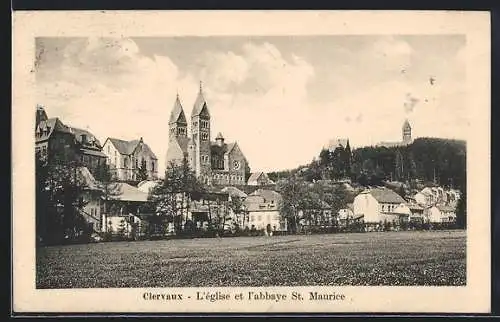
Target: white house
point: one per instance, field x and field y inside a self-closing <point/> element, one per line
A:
<point x="263" y="210"/>
<point x="440" y="214"/>
<point x="127" y="157"/>
<point x="345" y="215"/>
<point x="377" y="205"/>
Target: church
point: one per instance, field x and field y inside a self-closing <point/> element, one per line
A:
<point x="214" y="162"/>
<point x="406" y="131"/>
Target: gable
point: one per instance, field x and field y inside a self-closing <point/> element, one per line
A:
<point x="234" y="151"/>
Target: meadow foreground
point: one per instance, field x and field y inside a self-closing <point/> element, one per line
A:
<point x="358" y="259"/>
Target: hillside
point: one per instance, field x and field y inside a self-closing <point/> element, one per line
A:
<point x="442" y="161"/>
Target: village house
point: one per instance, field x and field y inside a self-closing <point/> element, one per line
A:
<point x="377" y="206"/>
<point x="263" y="211"/>
<point x="345" y="216"/>
<point x="259" y="179"/>
<point x="121" y="207"/>
<point x="440" y="214"/>
<point x="319" y="217"/>
<point x="126" y="158"/>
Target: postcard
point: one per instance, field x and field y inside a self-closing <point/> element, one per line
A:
<point x="251" y="162"/>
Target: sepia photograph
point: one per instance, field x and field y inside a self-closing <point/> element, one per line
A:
<point x="253" y="162"/>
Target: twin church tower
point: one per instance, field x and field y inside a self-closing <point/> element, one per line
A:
<point x="214" y="162"/>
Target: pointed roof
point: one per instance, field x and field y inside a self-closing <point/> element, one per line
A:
<point x="406" y="124"/>
<point x="47" y="127"/>
<point x="177" y="115"/>
<point x="41" y="115"/>
<point x="254" y="176"/>
<point x="386" y="195"/>
<point x="199" y="104"/>
<point x="128" y="147"/>
<point x="219" y="136"/>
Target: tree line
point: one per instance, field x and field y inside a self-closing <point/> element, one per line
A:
<point x="426" y="161"/>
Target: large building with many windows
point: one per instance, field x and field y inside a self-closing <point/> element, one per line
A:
<point x="56" y="142"/>
<point x="214" y="162"/>
<point x="128" y="160"/>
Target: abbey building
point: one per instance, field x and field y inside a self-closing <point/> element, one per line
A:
<point x="406" y="136"/>
<point x="214" y="162"/>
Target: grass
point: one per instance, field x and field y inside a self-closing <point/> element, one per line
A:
<point x="391" y="258"/>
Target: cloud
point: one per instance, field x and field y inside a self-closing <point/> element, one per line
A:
<point x="259" y="74"/>
<point x="109" y="86"/>
<point x="257" y="95"/>
<point x="410" y="103"/>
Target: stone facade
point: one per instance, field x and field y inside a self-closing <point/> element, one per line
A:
<point x="214" y="162"/>
<point x="127" y="157"/>
<point x="56" y="142"/>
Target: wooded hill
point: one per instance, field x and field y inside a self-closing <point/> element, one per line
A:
<point x="441" y="161"/>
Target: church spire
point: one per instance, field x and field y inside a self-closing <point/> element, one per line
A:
<point x="200" y="104"/>
<point x="177" y="114"/>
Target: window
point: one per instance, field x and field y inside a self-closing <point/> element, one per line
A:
<point x="152" y="166"/>
<point x="383" y="207"/>
<point x="259" y="218"/>
<point x="125" y="162"/>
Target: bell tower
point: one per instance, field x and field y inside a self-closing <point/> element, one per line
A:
<point x="177" y="124"/>
<point x="200" y="128"/>
<point x="406" y="132"/>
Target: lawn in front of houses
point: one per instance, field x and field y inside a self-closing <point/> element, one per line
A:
<point x="358" y="259"/>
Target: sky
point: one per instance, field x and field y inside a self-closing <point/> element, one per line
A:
<point x="281" y="98"/>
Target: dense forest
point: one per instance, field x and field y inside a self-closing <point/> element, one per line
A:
<point x="440" y="161"/>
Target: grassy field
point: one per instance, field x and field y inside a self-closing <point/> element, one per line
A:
<point x="391" y="258"/>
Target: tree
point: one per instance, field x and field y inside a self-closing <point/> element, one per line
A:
<point x="110" y="189"/>
<point x="172" y="198"/>
<point x="59" y="202"/>
<point x="293" y="192"/>
<point x="237" y="206"/>
<point x="461" y="211"/>
<point x="142" y="172"/>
